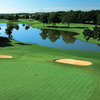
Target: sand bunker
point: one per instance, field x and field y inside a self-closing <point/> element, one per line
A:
<point x="5" y="56"/>
<point x="74" y="62"/>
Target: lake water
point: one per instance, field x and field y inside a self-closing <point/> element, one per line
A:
<point x="50" y="38"/>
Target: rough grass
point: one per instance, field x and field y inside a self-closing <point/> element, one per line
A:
<point x="32" y="74"/>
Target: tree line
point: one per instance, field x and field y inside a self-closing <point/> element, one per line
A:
<point x="14" y="16"/>
<point x="87" y="17"/>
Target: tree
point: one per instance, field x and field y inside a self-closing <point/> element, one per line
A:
<point x="53" y="18"/>
<point x="1" y="16"/>
<point x="16" y="17"/>
<point x="44" y="18"/>
<point x="36" y="16"/>
<point x="93" y="14"/>
<point x="10" y="17"/>
<point x="26" y="16"/>
<point x="81" y="17"/>
<point x="67" y="19"/>
<point x="98" y="19"/>
<point x="95" y="33"/>
<point x="87" y="33"/>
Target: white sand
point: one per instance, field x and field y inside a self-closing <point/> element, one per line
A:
<point x="74" y="62"/>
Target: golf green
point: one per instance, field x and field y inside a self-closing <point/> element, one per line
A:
<point x="34" y="81"/>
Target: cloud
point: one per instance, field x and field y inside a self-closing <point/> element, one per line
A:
<point x="45" y="10"/>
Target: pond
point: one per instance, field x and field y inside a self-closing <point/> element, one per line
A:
<point x="49" y="38"/>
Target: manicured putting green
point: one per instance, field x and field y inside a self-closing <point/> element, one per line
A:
<point x="34" y="81"/>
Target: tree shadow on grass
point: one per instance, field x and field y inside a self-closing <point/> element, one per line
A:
<point x="67" y="27"/>
<point x="23" y="43"/>
<point x="5" y="42"/>
<point x="13" y="21"/>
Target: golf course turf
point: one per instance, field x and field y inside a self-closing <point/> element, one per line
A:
<point x="32" y="74"/>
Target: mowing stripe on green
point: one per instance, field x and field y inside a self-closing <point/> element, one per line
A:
<point x="42" y="82"/>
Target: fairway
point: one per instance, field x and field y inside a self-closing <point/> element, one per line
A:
<point x="33" y="75"/>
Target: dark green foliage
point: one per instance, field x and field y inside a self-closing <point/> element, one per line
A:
<point x="98" y="19"/>
<point x="23" y="24"/>
<point x="8" y="32"/>
<point x="13" y="17"/>
<point x="10" y="18"/>
<point x="4" y="42"/>
<point x="26" y="16"/>
<point x="67" y="18"/>
<point x="76" y="16"/>
<point x="27" y="27"/>
<point x="2" y="17"/>
<point x="53" y="18"/>
<point x="44" y="18"/>
<point x="16" y="17"/>
<point x="91" y="17"/>
<point x="36" y="16"/>
<point x="95" y="33"/>
<point x="10" y="28"/>
<point x="80" y="17"/>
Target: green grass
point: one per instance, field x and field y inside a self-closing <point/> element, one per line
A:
<point x="43" y="79"/>
<point x="32" y="74"/>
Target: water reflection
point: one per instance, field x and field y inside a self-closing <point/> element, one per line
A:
<point x="23" y="25"/>
<point x="98" y="45"/>
<point x="49" y="38"/>
<point x="9" y="29"/>
<point x="11" y="26"/>
<point x="54" y="35"/>
<point x="27" y="27"/>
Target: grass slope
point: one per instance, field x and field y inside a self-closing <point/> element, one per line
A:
<point x="32" y="74"/>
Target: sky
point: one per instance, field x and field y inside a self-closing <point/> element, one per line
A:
<point x="31" y="6"/>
